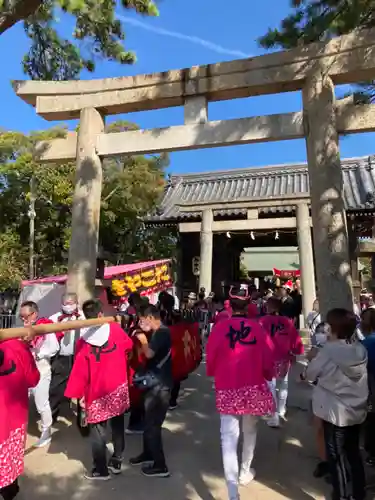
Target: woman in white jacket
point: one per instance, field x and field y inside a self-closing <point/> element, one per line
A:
<point x="340" y="401"/>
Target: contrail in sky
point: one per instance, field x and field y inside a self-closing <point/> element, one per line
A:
<point x="181" y="36"/>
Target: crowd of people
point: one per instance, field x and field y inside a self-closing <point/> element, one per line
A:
<point x="251" y="340"/>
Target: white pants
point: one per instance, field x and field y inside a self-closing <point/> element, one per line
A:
<point x="230" y="433"/>
<point x="41" y="396"/>
<point x="279" y="389"/>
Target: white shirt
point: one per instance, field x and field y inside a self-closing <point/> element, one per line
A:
<point x="45" y="350"/>
<point x="67" y="343"/>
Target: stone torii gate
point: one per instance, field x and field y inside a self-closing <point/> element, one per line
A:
<point x="314" y="69"/>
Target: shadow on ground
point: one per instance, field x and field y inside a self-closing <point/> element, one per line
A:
<point x="284" y="462"/>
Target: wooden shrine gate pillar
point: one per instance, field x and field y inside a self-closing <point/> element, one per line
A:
<point x="306" y="258"/>
<point x="326" y="189"/>
<point x="86" y="207"/>
<point x="353" y="256"/>
<point x="205" y="276"/>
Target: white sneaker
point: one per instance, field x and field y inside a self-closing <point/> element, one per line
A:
<point x="246" y="477"/>
<point x="282" y="415"/>
<point x="274" y="421"/>
<point x="44" y="439"/>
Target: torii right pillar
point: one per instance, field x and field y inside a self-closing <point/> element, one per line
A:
<point x="330" y="235"/>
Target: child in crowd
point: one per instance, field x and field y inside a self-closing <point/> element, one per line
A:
<point x="340" y="401"/>
<point x="240" y="357"/>
<point x="99" y="379"/>
<point x="287" y="345"/>
<point x="368" y="330"/>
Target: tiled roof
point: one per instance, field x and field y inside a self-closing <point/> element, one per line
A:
<point x="359" y="187"/>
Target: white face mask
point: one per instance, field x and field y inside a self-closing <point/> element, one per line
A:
<point x="145" y="325"/>
<point x="69" y="308"/>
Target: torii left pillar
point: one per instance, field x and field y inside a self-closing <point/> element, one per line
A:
<point x="86" y="207"/>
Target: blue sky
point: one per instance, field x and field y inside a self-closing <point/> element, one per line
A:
<point x="185" y="34"/>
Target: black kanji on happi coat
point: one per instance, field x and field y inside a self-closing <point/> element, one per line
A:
<point x="6" y="371"/>
<point x="278" y="328"/>
<point x="240" y="336"/>
<point x="104" y="349"/>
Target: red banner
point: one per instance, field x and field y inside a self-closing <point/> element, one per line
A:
<point x="186" y="354"/>
<point x="186" y="349"/>
<point x="286" y="274"/>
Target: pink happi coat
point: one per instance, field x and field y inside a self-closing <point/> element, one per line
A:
<point x="222" y="315"/>
<point x="18" y="373"/>
<point x="286" y="340"/>
<point x="100" y="375"/>
<point x="240" y="357"/>
<point x="252" y="310"/>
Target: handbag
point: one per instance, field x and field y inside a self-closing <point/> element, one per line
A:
<point x="149" y="379"/>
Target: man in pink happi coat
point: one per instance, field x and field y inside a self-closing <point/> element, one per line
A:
<point x="99" y="379"/>
<point x="287" y="345"/>
<point x="240" y="357"/>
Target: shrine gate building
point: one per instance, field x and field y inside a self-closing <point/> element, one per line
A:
<point x="220" y="213"/>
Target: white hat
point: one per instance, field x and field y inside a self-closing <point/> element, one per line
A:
<point x="192" y="296"/>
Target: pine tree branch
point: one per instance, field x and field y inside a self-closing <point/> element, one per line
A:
<point x="17" y="11"/>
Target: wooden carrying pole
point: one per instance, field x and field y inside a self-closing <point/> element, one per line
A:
<point x="12" y="333"/>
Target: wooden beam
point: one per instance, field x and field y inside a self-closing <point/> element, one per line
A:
<point x="252" y="213"/>
<point x="350" y="118"/>
<point x="248" y="202"/>
<point x="242" y="225"/>
<point x="346" y="59"/>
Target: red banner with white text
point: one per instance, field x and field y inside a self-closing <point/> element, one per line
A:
<point x="286" y="274"/>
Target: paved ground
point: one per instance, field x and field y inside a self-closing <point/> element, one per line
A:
<point x="284" y="460"/>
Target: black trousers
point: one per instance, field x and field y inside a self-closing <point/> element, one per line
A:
<point x="11" y="491"/>
<point x="175" y="393"/>
<point x="136" y="418"/>
<point x="345" y="461"/>
<point x="98" y="438"/>
<point x="369" y="431"/>
<point x="61" y="367"/>
<point x="156" y="403"/>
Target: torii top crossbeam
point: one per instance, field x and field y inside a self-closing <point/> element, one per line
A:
<point x="347" y="59"/>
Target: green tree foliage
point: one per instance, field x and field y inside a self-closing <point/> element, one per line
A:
<point x="365" y="264"/>
<point x="132" y="188"/>
<point x="97" y="33"/>
<point x="320" y="20"/>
